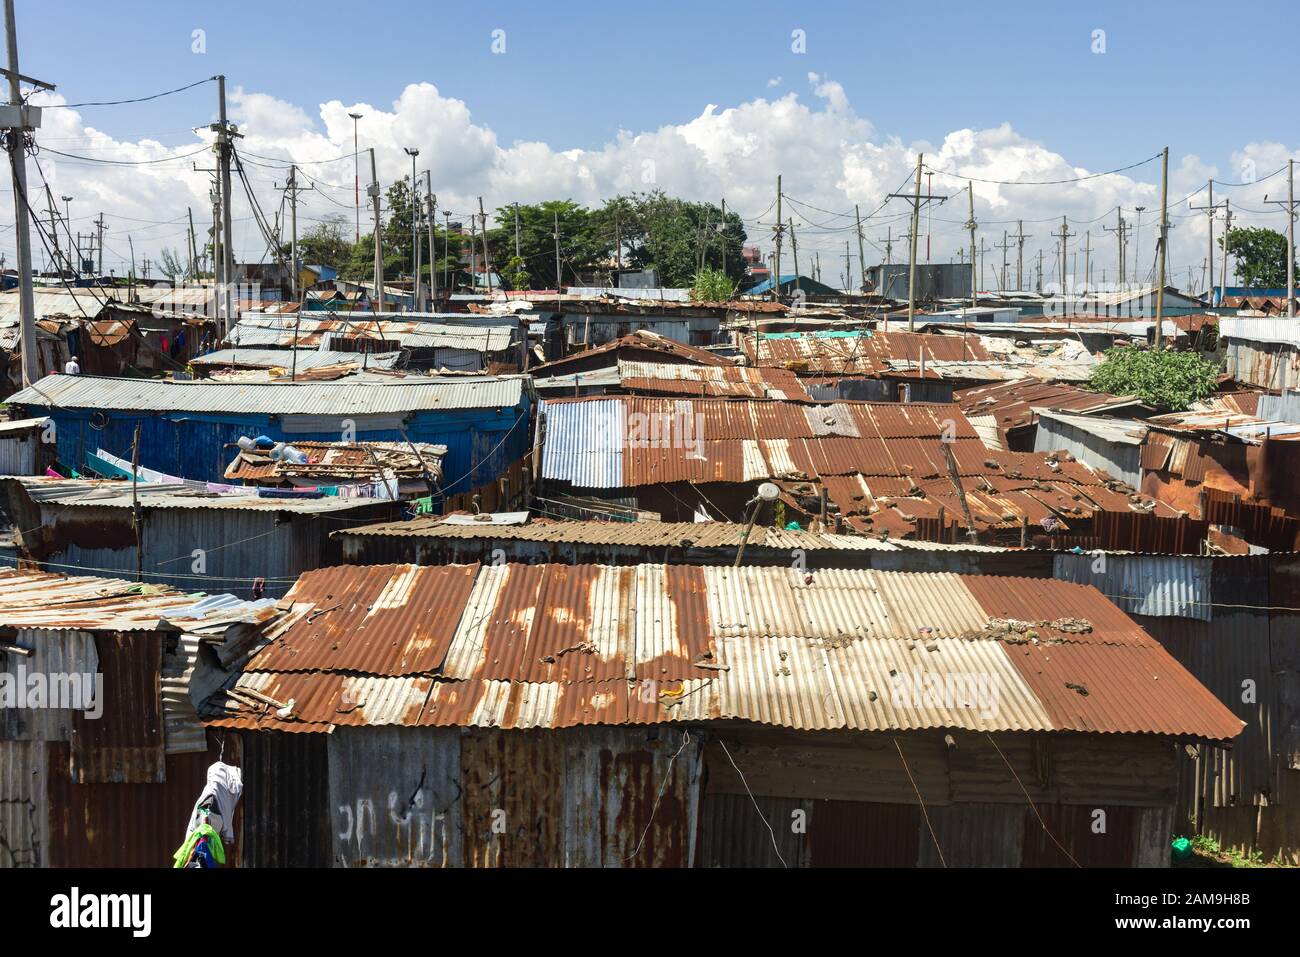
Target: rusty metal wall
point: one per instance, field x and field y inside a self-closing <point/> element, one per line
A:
<point x="1061" y="834"/>
<point x="395" y="797"/>
<point x="125" y="744"/>
<point x="860" y="834"/>
<point x="286" y="821"/>
<point x="123" y="825"/>
<point x="972" y="835"/>
<point x="24" y="831"/>
<point x="735" y="831"/>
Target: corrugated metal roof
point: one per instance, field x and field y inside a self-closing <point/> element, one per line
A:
<point x="711" y="381"/>
<point x="272" y="398"/>
<point x="117" y="493"/>
<point x="1163" y="585"/>
<point x="635" y="534"/>
<point x="305" y="359"/>
<point x="559" y="645"/>
<point x="45" y="600"/>
<point x="306" y="329"/>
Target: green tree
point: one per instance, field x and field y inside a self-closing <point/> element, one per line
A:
<point x="675" y="237"/>
<point x="171" y="265"/>
<point x="1260" y="255"/>
<point x="712" y="285"/>
<point x="326" y="243"/>
<point x="1170" y="381"/>
<point x="582" y="244"/>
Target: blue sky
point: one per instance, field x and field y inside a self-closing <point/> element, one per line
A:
<point x="589" y="96"/>
<point x="576" y="72"/>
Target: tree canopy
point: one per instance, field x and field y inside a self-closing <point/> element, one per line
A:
<point x="1170" y="381"/>
<point x="1260" y="255"/>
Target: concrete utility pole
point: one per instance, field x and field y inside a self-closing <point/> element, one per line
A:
<point x="431" y="210"/>
<point x="1020" y="254"/>
<point x="915" y="198"/>
<point x="974" y="269"/>
<point x="54" y="229"/>
<point x="1227" y="230"/>
<point x="99" y="242"/>
<point x="722" y="239"/>
<point x="1209" y="209"/>
<point x="776" y="267"/>
<point x="888" y="240"/>
<point x="559" y="283"/>
<point x="1289" y="206"/>
<point x="224" y="149"/>
<point x="487" y="257"/>
<point x="377" y="305"/>
<point x="1040" y="270"/>
<point x="848" y="267"/>
<point x="1163" y="241"/>
<point x="1137" y="245"/>
<point x="1002" y="276"/>
<point x="193" y="271"/>
<point x="1064" y="237"/>
<point x="794" y="247"/>
<point x="862" y="253"/>
<point x="1087" y="260"/>
<point x="293" y="234"/>
<point x="473" y="251"/>
<point x="1121" y="240"/>
<point x="21" y="119"/>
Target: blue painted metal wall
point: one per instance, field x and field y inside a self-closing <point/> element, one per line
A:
<point x="481" y="443"/>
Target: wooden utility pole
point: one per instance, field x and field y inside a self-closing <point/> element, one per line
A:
<point x="1163" y="241"/>
<point x="915" y="198"/>
<point x="473" y="252"/>
<point x="776" y="269"/>
<point x="1289" y="206"/>
<point x="888" y="240"/>
<point x="1020" y="254"/>
<point x="974" y="269"/>
<point x="722" y="239"/>
<point x="22" y="205"/>
<point x="1209" y="209"/>
<point x="224" y="150"/>
<point x="862" y="253"/>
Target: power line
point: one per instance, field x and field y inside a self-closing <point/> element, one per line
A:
<point x="92" y="159"/>
<point x="1044" y="182"/>
<point x="138" y="99"/>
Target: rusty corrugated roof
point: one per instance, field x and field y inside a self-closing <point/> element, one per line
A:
<point x="559" y="645"/>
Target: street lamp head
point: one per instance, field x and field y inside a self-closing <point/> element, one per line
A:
<point x="768" y="492"/>
<point x="412" y="151"/>
<point x="356" y="116"/>
<point x="68" y="199"/>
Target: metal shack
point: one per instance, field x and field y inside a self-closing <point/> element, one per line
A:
<point x="111" y="785"/>
<point x="653" y="715"/>
<point x="186" y="538"/>
<point x="190" y="428"/>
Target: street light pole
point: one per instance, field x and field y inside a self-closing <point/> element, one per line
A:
<point x="413" y="152"/>
<point x="356" y="175"/>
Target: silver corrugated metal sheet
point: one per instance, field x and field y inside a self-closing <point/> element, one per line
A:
<point x="1157" y="585"/>
<point x="54" y="653"/>
<point x="271" y="398"/>
<point x="584" y="445"/>
<point x="395" y="797"/>
<point x="284" y="358"/>
<point x="24" y="804"/>
<point x="1282" y="408"/>
<point x="1093" y="442"/>
<point x="1277" y="329"/>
